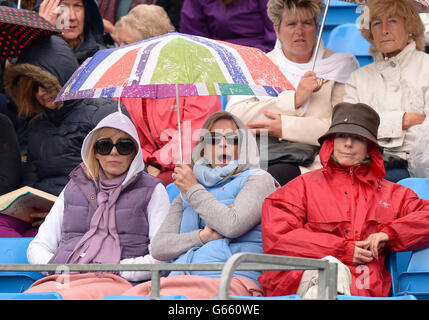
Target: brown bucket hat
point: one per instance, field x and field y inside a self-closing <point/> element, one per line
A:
<point x="354" y="118"/>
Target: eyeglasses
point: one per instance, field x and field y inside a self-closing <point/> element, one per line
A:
<point x="123" y="146"/>
<point x="216" y="137"/>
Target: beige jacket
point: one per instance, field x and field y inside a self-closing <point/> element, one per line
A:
<point x="296" y="126"/>
<point x="392" y="87"/>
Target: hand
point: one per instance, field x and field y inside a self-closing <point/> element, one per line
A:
<point x="49" y="10"/>
<point x="376" y="241"/>
<point x="108" y="26"/>
<point x="306" y="87"/>
<point x="273" y="126"/>
<point x="208" y="234"/>
<point x="361" y="254"/>
<point x="184" y="177"/>
<point x="153" y="171"/>
<point x="411" y="119"/>
<point x="38" y="218"/>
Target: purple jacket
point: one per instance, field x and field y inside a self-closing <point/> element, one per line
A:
<point x="131" y="214"/>
<point x="244" y="22"/>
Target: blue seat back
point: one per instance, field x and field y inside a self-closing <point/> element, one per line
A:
<point x="419" y="261"/>
<point x="31" y="296"/>
<point x="347" y="38"/>
<point x="224" y="101"/>
<point x="173" y="191"/>
<point x="14" y="251"/>
<point x="401" y="263"/>
<point x="418" y="185"/>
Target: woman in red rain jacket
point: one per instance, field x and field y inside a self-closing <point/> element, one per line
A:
<point x="345" y="210"/>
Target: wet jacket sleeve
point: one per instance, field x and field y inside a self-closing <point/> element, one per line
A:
<point x="284" y="230"/>
<point x="410" y="231"/>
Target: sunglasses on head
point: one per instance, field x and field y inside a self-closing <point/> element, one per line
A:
<point x="123" y="146"/>
<point x="216" y="137"/>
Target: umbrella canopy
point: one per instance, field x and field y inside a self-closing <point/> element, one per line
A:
<point x="421" y="5"/>
<point x="191" y="65"/>
<point x="18" y="27"/>
<point x="174" y="65"/>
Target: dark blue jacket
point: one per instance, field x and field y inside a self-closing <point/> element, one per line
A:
<point x="55" y="137"/>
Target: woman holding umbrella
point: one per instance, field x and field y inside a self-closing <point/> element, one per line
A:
<point x="302" y="115"/>
<point x="394" y="85"/>
<point x="218" y="213"/>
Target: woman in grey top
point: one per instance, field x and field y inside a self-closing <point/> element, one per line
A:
<point x="217" y="214"/>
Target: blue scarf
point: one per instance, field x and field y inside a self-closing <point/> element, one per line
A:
<point x="208" y="176"/>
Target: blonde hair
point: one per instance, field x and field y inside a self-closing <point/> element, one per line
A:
<point x="91" y="162"/>
<point x="276" y="8"/>
<point x="147" y="21"/>
<point x="26" y="101"/>
<point x="401" y="8"/>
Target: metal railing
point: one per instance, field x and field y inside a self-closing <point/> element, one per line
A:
<point x="258" y="262"/>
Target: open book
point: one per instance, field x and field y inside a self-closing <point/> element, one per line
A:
<point x="22" y="202"/>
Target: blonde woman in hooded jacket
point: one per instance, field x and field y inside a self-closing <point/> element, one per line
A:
<point x="108" y="213"/>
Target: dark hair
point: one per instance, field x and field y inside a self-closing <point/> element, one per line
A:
<point x="228" y="2"/>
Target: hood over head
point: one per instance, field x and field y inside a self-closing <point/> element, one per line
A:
<point x="374" y="171"/>
<point x="121" y="122"/>
<point x="93" y="20"/>
<point x="49" y="61"/>
<point x="248" y="152"/>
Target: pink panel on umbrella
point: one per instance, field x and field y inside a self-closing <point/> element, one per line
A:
<point x="119" y="72"/>
<point x="256" y="63"/>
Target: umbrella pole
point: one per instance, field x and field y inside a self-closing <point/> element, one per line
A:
<point x="319" y="38"/>
<point x="179" y="125"/>
<point x="19" y="4"/>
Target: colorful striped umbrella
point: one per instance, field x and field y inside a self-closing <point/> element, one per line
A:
<point x="174" y="65"/>
<point x="198" y="66"/>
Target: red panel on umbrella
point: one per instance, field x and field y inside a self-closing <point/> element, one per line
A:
<point x="18" y="27"/>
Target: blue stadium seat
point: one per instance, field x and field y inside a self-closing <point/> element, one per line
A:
<point x="14" y="251"/>
<point x="31" y="296"/>
<point x="418" y="185"/>
<point x="339" y="12"/>
<point x="173" y="191"/>
<point x="117" y="297"/>
<point x="347" y="38"/>
<point x="224" y="101"/>
<point x="410" y="270"/>
<point x="415" y="280"/>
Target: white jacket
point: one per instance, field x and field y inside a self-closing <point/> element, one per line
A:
<point x="392" y="87"/>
